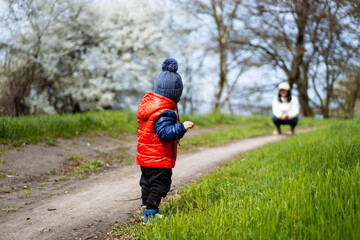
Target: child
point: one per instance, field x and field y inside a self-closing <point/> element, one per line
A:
<point x="158" y="134"/>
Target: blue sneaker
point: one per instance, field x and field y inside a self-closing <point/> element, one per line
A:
<point x="152" y="214"/>
<point x="144" y="216"/>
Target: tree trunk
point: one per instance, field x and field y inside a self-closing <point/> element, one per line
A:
<point x="326" y="112"/>
<point x="223" y="73"/>
<point x="19" y="100"/>
<point x="353" y="94"/>
<point x="302" y="7"/>
<point x="304" y="99"/>
<point x="227" y="99"/>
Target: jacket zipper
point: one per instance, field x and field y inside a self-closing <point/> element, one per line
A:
<point x="173" y="150"/>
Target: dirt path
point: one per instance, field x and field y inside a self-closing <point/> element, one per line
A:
<point x="87" y="209"/>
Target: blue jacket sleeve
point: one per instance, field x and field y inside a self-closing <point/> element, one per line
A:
<point x="166" y="127"/>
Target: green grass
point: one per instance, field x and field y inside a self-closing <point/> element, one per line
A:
<point x="63" y="178"/>
<point x="4" y="190"/>
<point x="46" y="127"/>
<point x="51" y="142"/>
<point x="10" y="208"/>
<point x="27" y="129"/>
<point x="215" y="119"/>
<point x="249" y="127"/>
<point x="81" y="165"/>
<point x="305" y="187"/>
<point x="123" y="156"/>
<point x="28" y="192"/>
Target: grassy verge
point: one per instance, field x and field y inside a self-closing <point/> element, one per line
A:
<point x="248" y="127"/>
<point x="28" y="129"/>
<point x="45" y="127"/>
<point x="306" y="187"/>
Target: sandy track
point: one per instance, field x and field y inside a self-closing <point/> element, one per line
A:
<point x="88" y="209"/>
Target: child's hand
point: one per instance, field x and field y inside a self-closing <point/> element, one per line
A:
<point x="188" y="125"/>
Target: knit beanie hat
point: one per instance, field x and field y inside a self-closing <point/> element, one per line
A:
<point x="169" y="83"/>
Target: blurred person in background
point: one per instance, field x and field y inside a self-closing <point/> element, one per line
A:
<point x="285" y="109"/>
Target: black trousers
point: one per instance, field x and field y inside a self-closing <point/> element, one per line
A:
<point x="155" y="183"/>
<point x="292" y="122"/>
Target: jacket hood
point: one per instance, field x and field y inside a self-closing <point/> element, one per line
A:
<point x="152" y="103"/>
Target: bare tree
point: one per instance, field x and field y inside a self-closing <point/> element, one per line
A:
<point x="308" y="40"/>
<point x="336" y="49"/>
<point x="275" y="31"/>
<point x="190" y="100"/>
<point x="240" y="66"/>
<point x="223" y="15"/>
<point x="354" y="8"/>
<point x="345" y="95"/>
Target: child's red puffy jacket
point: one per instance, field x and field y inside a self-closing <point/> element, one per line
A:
<point x="158" y="132"/>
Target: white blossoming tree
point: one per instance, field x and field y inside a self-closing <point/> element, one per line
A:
<point x="73" y="56"/>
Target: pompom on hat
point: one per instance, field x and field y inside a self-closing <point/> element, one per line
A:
<point x="170" y="64"/>
<point x="284" y="86"/>
<point x="169" y="83"/>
